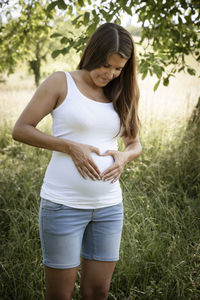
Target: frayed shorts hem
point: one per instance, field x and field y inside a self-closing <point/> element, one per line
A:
<point x="99" y="258"/>
<point x="55" y="266"/>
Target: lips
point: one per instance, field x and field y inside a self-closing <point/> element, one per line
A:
<point x="105" y="79"/>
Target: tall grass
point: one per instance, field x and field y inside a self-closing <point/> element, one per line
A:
<point x="160" y="250"/>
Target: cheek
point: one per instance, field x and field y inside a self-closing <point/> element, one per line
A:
<point x="117" y="74"/>
<point x="101" y="71"/>
<point x="97" y="72"/>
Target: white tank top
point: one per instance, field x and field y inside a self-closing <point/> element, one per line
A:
<point x="86" y="121"/>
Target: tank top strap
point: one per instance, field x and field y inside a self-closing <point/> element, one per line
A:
<point x="71" y="87"/>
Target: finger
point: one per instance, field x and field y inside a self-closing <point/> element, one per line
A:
<point x="94" y="168"/>
<point x="111" y="175"/>
<point x="110" y="169"/>
<point x="81" y="172"/>
<point x="93" y="172"/>
<point x="87" y="171"/>
<point x="109" y="152"/>
<point x="95" y="150"/>
<point x="114" y="180"/>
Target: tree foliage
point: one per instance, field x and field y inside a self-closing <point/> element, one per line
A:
<point x="169" y="29"/>
<point x="24" y="36"/>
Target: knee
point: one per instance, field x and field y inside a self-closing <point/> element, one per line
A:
<point x="99" y="292"/>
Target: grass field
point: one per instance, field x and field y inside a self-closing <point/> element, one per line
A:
<point x="160" y="250"/>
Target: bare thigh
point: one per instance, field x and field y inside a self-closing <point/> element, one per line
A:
<point x="95" y="278"/>
<point x="60" y="283"/>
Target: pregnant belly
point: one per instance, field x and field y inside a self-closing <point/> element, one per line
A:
<point x="64" y="173"/>
<point x="102" y="162"/>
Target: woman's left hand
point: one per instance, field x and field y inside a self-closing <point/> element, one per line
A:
<point x="113" y="173"/>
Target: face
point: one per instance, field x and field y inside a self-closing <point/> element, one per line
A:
<point x="112" y="69"/>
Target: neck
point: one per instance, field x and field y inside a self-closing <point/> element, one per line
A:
<point x="85" y="76"/>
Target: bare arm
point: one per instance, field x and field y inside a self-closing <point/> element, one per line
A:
<point x="133" y="148"/>
<point x="42" y="103"/>
<point x="50" y="93"/>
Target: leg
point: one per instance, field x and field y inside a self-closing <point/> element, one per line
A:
<point x="60" y="283"/>
<point x="95" y="279"/>
<point x="100" y="251"/>
<point x="61" y="230"/>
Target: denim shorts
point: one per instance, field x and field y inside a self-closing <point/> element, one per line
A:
<point x="68" y="233"/>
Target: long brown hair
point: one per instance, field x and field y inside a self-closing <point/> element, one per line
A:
<point x="123" y="91"/>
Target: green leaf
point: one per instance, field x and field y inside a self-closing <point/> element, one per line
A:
<point x="74" y="22"/>
<point x="181" y="69"/>
<point x="91" y="28"/>
<point x="117" y="21"/>
<point x="64" y="40"/>
<point x="156" y="85"/>
<point x="191" y="71"/>
<point x="104" y="13"/>
<point x="61" y="4"/>
<point x="166" y="81"/>
<point x="127" y="10"/>
<point x="144" y="75"/>
<point x="86" y="18"/>
<point x="56" y="34"/>
<point x="80" y="2"/>
<point x="65" y="51"/>
<point x="157" y="70"/>
<point x="55" y="53"/>
<point x="94" y="13"/>
<point x="52" y="5"/>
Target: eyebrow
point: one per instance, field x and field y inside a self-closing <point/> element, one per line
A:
<point x="120" y="67"/>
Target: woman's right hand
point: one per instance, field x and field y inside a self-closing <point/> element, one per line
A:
<point x="81" y="156"/>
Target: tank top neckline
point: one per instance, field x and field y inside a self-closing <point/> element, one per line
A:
<point x="89" y="100"/>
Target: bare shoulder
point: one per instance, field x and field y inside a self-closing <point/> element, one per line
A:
<point x="53" y="89"/>
<point x="56" y="81"/>
<point x="58" y="75"/>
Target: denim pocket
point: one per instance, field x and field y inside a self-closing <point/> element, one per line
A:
<point x="51" y="206"/>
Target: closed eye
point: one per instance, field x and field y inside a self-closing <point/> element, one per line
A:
<point x="108" y="66"/>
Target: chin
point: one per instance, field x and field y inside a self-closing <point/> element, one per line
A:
<point x="100" y="84"/>
<point x="104" y="83"/>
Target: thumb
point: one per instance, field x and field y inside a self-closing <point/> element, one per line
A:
<point x="96" y="150"/>
<point x="108" y="152"/>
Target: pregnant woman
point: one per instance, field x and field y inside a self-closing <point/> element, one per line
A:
<point x="81" y="210"/>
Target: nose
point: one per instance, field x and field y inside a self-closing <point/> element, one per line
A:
<point x="110" y="74"/>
